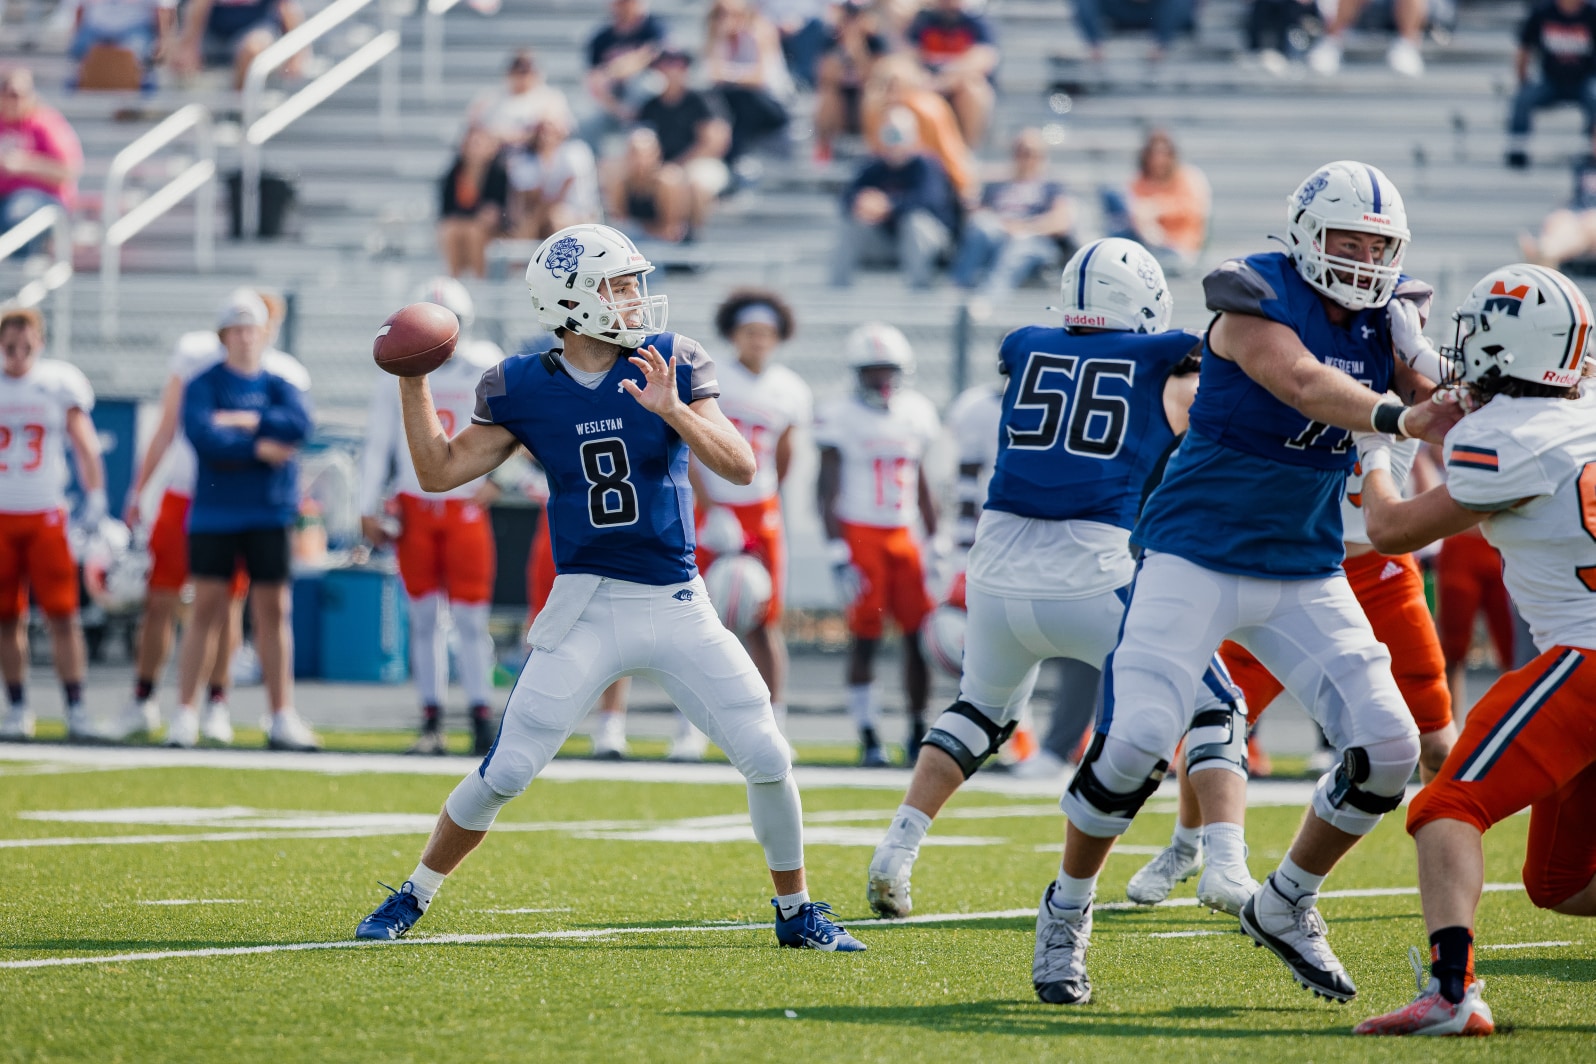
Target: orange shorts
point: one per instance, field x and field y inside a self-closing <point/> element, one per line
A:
<point x="169" y="549"/>
<point x="1391" y="592"/>
<point x="1468" y="575"/>
<point x="539" y="568"/>
<point x="893" y="579"/>
<point x="761" y="523"/>
<point x="1531" y="741"/>
<point x="35" y="557"/>
<point x="445" y="545"/>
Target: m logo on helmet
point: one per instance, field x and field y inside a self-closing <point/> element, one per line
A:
<point x="1312" y="187"/>
<point x="1505" y="299"/>
<point x="564" y="256"/>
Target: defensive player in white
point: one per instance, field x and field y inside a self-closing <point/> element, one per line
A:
<point x="872" y="447"/>
<point x="1091" y="409"/>
<point x="44" y="405"/>
<point x="169" y="459"/>
<point x="611" y="415"/>
<point x="444" y="541"/>
<point x="1522" y="466"/>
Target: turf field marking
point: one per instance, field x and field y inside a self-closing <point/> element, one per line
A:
<point x="1523" y="945"/>
<point x="1132" y="850"/>
<point x="1187" y="934"/>
<point x="198" y="901"/>
<point x="519" y="912"/>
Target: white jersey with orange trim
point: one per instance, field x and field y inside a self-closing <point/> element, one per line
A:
<point x="33" y="417"/>
<point x="194" y="353"/>
<point x="974" y="420"/>
<point x="1353" y="529"/>
<point x="762" y="406"/>
<point x="1531" y="462"/>
<point x="386" y="459"/>
<point x="882" y="450"/>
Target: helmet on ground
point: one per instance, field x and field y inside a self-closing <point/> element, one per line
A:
<point x="879" y="354"/>
<point x="570" y="278"/>
<point x="1114" y="283"/>
<point x="452" y="295"/>
<point x="1355" y="197"/>
<point x="943" y="635"/>
<point x="721" y="533"/>
<point x="1523" y="322"/>
<point x="739" y="588"/>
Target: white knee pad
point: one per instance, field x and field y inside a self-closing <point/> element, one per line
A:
<point x="752" y="742"/>
<point x="778" y="816"/>
<point x="1113" y="781"/>
<point x="1369" y="782"/>
<point x="473" y="804"/>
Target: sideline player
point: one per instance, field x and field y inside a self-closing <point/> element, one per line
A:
<point x="445" y="540"/>
<point x="770" y="406"/>
<point x="44" y="404"/>
<point x="1523" y="467"/>
<point x="170" y="455"/>
<point x="871" y="485"/>
<point x="1091" y="409"/>
<point x="611" y="418"/>
<point x="1242" y="538"/>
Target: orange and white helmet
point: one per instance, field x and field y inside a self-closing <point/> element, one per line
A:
<point x="1526" y="322"/>
<point x="877" y="345"/>
<point x="1352" y="196"/>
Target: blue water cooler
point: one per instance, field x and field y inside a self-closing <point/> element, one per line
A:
<point x="364" y="627"/>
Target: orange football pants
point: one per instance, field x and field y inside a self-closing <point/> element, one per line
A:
<point x="445" y="545"/>
<point x="893" y="580"/>
<point x="36" y="557"/>
<point x="761" y="522"/>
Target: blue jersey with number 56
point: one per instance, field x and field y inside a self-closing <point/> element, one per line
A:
<point x="620" y="504"/>
<point x="1083" y="422"/>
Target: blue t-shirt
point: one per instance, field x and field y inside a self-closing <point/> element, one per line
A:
<point x="1255" y="487"/>
<point x="233" y="490"/>
<point x="620" y="504"/>
<point x="1083" y="422"/>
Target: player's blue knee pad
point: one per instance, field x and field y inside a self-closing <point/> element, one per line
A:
<point x="1218" y="739"/>
<point x="1110" y="786"/>
<point x="968" y="736"/>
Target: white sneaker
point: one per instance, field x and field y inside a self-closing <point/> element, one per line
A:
<point x="1225" y="890"/>
<point x="18" y="723"/>
<point x="185" y="728"/>
<point x="289" y="732"/>
<point x="82" y="727"/>
<point x="217" y="724"/>
<point x="1274" y="62"/>
<point x="1058" y="967"/>
<point x="690" y="744"/>
<point x="139" y="717"/>
<point x="1405" y="58"/>
<point x="1158" y="877"/>
<point x="888" y="888"/>
<point x="609" y="739"/>
<point x="1042" y="765"/>
<point x="1324" y="58"/>
<point x="1296" y="934"/>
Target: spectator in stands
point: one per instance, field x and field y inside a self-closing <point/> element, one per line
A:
<point x="511" y="111"/>
<point x="1023" y="224"/>
<point x="1275" y="32"/>
<point x="1165" y="207"/>
<point x="1562" y="33"/>
<point x="1167" y="19"/>
<point x="618" y="56"/>
<point x="641" y="191"/>
<point x="40" y="157"/>
<point x="742" y="55"/>
<point x="554" y="180"/>
<point x="1404" y="55"/>
<point x="1568" y="233"/>
<point x="694" y="138"/>
<point x="900" y="210"/>
<point x="899" y="81"/>
<point x="475" y="195"/>
<point x="142" y="27"/>
<point x="843" y="69"/>
<point x="218" y="33"/>
<point x="804" y="34"/>
<point x="960" y="51"/>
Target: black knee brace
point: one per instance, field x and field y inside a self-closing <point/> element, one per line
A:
<point x="1089" y="789"/>
<point x="957" y="733"/>
<point x="1353" y="770"/>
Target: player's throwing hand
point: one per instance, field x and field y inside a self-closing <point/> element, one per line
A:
<point x="660" y="397"/>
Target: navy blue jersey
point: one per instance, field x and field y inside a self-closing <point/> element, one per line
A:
<point x="1255" y="487"/>
<point x="620" y="504"/>
<point x="1083" y="422"/>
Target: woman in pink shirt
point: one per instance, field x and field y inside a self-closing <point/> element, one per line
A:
<point x="40" y="157"/>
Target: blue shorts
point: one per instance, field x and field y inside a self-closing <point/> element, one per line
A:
<point x="220" y="49"/>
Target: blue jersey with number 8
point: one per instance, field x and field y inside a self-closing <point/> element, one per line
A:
<point x="620" y="504"/>
<point x="1083" y="422"/>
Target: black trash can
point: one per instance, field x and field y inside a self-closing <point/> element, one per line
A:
<point x="276" y="201"/>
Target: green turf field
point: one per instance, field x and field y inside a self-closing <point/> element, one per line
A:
<point x="603" y="924"/>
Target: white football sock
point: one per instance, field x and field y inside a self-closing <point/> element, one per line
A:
<point x="1293" y="883"/>
<point x="862" y="704"/>
<point x="424" y="883"/>
<point x="1226" y="845"/>
<point x="789" y="904"/>
<point x="425" y="648"/>
<point x="1071" y="896"/>
<point x="1185" y="838"/>
<point x="908" y="829"/>
<point x="475" y="651"/>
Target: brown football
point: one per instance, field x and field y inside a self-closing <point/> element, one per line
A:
<point x="416" y="340"/>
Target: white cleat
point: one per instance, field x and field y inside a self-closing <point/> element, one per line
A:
<point x="217" y="725"/>
<point x="138" y="718"/>
<point x="1159" y="877"/>
<point x="1296" y="934"/>
<point x="289" y="732"/>
<point x="1324" y="58"/>
<point x="1058" y="967"/>
<point x="690" y="744"/>
<point x="888" y="888"/>
<point x="1225" y="890"/>
<point x="609" y="741"/>
<point x="184" y="731"/>
<point x="18" y="723"/>
<point x="82" y="727"/>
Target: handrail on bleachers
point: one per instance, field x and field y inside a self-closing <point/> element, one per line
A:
<point x="119" y="228"/>
<point x="432" y="46"/>
<point x="259" y="128"/>
<point x="57" y="277"/>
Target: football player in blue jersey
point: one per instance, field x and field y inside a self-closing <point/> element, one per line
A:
<point x="612" y="417"/>
<point x="1243" y="538"/>
<point x="1090" y="411"/>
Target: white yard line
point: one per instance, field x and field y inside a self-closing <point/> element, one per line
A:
<point x="1522" y="945"/>
<point x="198" y="901"/>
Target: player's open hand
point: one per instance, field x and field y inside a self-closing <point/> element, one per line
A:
<point x="660" y="396"/>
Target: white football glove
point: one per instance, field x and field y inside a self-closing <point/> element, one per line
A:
<point x="94" y="509"/>
<point x="1374" y="451"/>
<point x="1407" y="336"/>
<point x="846" y="575"/>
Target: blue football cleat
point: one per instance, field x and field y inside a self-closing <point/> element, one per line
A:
<point x="812" y="927"/>
<point x="396" y="915"/>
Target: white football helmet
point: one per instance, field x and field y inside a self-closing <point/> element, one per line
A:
<point x="568" y="279"/>
<point x="876" y="344"/>
<point x="1525" y="322"/>
<point x="1352" y="196"/>
<point x="739" y="588"/>
<point x="943" y="636"/>
<point x="1114" y="283"/>
<point x="452" y="295"/>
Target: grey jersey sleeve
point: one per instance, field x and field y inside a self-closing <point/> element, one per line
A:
<point x="1237" y="288"/>
<point x="1417" y="292"/>
<point x="491" y="386"/>
<point x="702" y="383"/>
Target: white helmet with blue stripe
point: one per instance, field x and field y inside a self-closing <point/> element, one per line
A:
<point x="570" y="278"/>
<point x="1116" y="284"/>
<point x="1355" y="197"/>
